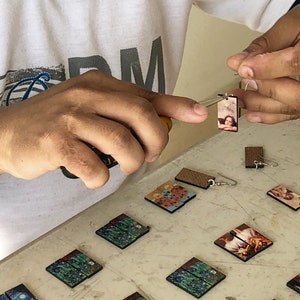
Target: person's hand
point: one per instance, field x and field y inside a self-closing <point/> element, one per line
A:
<point x="54" y="128"/>
<point x="267" y="66"/>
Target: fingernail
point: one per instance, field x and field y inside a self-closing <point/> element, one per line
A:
<point x="250" y="83"/>
<point x="235" y="60"/>
<point x="246" y="72"/>
<point x="255" y="119"/>
<point x="153" y="158"/>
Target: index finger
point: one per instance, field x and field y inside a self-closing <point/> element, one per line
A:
<point x="271" y="65"/>
<point x="280" y="49"/>
<point x="180" y="108"/>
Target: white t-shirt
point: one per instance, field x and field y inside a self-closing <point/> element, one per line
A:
<point x="46" y="42"/>
<point x="258" y="15"/>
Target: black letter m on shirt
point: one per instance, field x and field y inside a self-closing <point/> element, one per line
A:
<point x="130" y="65"/>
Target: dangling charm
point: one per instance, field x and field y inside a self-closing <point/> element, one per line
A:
<point x="228" y="113"/>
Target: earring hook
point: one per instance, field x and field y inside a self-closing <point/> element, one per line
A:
<point x="270" y="163"/>
<point x="219" y="183"/>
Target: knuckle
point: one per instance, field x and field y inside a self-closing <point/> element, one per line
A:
<point x="51" y="138"/>
<point x="293" y="116"/>
<point x="57" y="144"/>
<point x="259" y="107"/>
<point x="67" y="122"/>
<point x="260" y="43"/>
<point x="294" y="62"/>
<point x="98" y="77"/>
<point x="147" y="94"/>
<point x="272" y="94"/>
<point x="77" y="91"/>
<point x="143" y="109"/>
<point x="290" y="110"/>
<point x="83" y="85"/>
<point x="89" y="75"/>
<point x="82" y="166"/>
<point x="73" y="121"/>
<point x="121" y="137"/>
<point x="286" y="110"/>
<point x="270" y="91"/>
<point x="282" y="117"/>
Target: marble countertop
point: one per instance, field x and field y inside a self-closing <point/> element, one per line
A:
<point x="189" y="232"/>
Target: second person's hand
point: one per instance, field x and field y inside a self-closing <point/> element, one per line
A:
<point x="267" y="66"/>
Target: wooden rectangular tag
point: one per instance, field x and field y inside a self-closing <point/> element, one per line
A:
<point x="194" y="178"/>
<point x="254" y="157"/>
